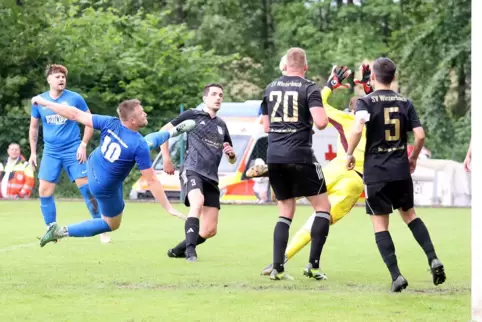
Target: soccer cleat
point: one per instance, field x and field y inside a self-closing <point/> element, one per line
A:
<point x="315" y="273"/>
<point x="267" y="270"/>
<point x="182" y="127"/>
<point x="275" y="276"/>
<point x="173" y="254"/>
<point x="399" y="284"/>
<point x="257" y="170"/>
<point x="52" y="235"/>
<point x="104" y="238"/>
<point x="438" y="272"/>
<point x="191" y="255"/>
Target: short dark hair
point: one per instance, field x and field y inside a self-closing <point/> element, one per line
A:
<point x="54" y="68"/>
<point x="384" y="69"/>
<point x="126" y="108"/>
<point x="208" y="86"/>
<point x="14" y="143"/>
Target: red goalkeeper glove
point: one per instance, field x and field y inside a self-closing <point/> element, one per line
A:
<point x="338" y="75"/>
<point x="365" y="81"/>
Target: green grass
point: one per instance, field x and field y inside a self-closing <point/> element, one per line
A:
<point x="132" y="279"/>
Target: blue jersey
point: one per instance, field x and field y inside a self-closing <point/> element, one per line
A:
<point x="59" y="133"/>
<point x="120" y="149"/>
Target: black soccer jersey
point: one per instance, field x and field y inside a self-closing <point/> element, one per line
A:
<point x="204" y="148"/>
<point x="391" y="117"/>
<point x="287" y="102"/>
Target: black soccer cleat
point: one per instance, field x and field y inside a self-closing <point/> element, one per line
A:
<point x="191" y="256"/>
<point x="174" y="254"/>
<point x="399" y="284"/>
<point x="438" y="272"/>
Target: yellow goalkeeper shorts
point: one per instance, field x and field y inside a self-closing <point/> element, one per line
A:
<point x="344" y="189"/>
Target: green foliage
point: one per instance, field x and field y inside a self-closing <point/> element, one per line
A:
<point x="163" y="52"/>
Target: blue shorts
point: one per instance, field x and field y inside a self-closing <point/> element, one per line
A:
<point x="110" y="198"/>
<point x="52" y="164"/>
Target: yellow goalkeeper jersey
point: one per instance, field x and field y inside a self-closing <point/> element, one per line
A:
<point x="343" y="122"/>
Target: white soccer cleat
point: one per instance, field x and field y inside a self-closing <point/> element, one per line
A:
<point x="182" y="127"/>
<point x="104" y="238"/>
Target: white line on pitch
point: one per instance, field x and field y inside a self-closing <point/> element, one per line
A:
<point x="14" y="247"/>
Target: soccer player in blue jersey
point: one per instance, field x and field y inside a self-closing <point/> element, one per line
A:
<point x="60" y="134"/>
<point x="121" y="147"/>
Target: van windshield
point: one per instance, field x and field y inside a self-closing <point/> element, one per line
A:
<point x="240" y="142"/>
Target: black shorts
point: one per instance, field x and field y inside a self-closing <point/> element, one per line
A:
<point x="191" y="180"/>
<point x="382" y="198"/>
<point x="293" y="180"/>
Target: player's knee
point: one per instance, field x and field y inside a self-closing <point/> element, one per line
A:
<point x="380" y="223"/>
<point x="113" y="222"/>
<point x="408" y="216"/>
<point x="210" y="232"/>
<point x="287" y="207"/>
<point x="196" y="201"/>
<point x="320" y="202"/>
<point x="81" y="182"/>
<point x="46" y="189"/>
<point x="113" y="226"/>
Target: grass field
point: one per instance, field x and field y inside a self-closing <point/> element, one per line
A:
<point x="132" y="279"/>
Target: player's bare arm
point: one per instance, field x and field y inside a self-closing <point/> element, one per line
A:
<point x="355" y="137"/>
<point x="419" y="136"/>
<point x="66" y="111"/>
<point x="166" y="156"/>
<point x="33" y="138"/>
<point x="318" y="113"/>
<point x="158" y="192"/>
<point x="82" y="150"/>
<point x="319" y="117"/>
<point x="265" y="123"/>
<point x="229" y="151"/>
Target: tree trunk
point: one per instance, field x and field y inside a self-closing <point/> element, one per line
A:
<point x="267" y="27"/>
<point x="461" y="106"/>
<point x="180" y="11"/>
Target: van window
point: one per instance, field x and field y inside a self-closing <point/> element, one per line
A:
<point x="260" y="150"/>
<point x="240" y="142"/>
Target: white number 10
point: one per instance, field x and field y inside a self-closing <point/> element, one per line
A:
<point x="110" y="150"/>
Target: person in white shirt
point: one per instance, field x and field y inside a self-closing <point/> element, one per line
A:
<point x="261" y="184"/>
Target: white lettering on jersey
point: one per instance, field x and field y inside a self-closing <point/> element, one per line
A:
<point x="55" y="119"/>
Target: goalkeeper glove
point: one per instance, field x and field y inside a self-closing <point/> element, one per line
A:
<point x="365" y="81"/>
<point x="338" y="75"/>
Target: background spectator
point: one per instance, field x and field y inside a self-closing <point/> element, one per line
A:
<point x="16" y="175"/>
<point x="261" y="184"/>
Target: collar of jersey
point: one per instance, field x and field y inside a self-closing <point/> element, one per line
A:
<point x="208" y="113"/>
<point x="55" y="99"/>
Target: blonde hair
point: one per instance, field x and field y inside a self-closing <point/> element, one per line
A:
<point x="296" y="58"/>
<point x="126" y="108"/>
<point x="282" y="64"/>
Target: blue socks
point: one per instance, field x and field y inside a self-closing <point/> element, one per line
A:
<point x="156" y="139"/>
<point x="47" y="205"/>
<point x="88" y="228"/>
<point x="90" y="201"/>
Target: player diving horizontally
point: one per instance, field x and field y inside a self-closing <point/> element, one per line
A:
<point x="121" y="147"/>
<point x="344" y="187"/>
